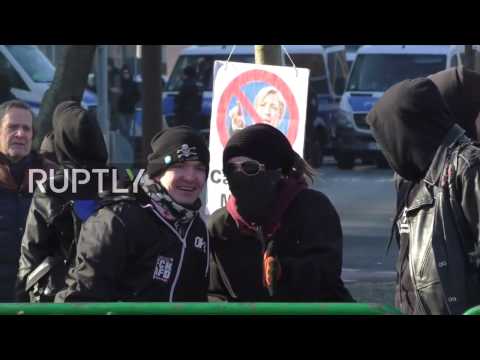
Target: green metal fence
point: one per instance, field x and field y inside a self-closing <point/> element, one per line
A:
<point x="123" y="308"/>
<point x="473" y="311"/>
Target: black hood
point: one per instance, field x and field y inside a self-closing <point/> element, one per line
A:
<point x="460" y="89"/>
<point x="77" y="136"/>
<point x="409" y="123"/>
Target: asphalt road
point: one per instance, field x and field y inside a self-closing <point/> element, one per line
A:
<point x="364" y="198"/>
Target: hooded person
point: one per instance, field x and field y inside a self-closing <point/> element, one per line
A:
<point x="276" y="239"/>
<point x="459" y="88"/>
<point x="439" y="218"/>
<point x="60" y="206"/>
<point x="150" y="244"/>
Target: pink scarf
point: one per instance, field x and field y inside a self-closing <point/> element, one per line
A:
<point x="289" y="190"/>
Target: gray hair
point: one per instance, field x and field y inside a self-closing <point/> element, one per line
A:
<point x="7" y="105"/>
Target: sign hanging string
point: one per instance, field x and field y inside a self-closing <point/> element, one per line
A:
<point x="290" y="58"/>
<point x="283" y="48"/>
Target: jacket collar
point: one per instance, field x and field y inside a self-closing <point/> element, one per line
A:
<point x="436" y="168"/>
<point x="8" y="182"/>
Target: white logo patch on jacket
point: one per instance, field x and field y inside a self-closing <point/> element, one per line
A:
<point x="200" y="244"/>
<point x="163" y="269"/>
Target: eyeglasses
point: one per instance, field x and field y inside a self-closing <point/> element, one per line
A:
<point x="248" y="167"/>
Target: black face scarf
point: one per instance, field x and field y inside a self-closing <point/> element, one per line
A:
<point x="409" y="123"/>
<point x="255" y="195"/>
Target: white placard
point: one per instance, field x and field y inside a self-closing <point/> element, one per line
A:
<point x="245" y="94"/>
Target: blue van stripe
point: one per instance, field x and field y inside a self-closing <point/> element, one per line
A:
<point x="362" y="103"/>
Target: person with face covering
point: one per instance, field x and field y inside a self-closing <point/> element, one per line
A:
<point x="57" y="212"/>
<point x="150" y="244"/>
<point x="459" y="88"/>
<point x="437" y="226"/>
<point x="276" y="239"/>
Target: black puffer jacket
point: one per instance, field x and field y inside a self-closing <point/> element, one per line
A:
<point x="128" y="252"/>
<point x="419" y="139"/>
<point x="309" y="249"/>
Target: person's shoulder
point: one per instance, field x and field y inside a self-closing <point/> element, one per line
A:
<point x="217" y="220"/>
<point x="125" y="209"/>
<point x="314" y="202"/>
<point x="48" y="204"/>
<point x="468" y="157"/>
<point x="312" y="196"/>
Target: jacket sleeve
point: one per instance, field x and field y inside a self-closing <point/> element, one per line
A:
<point x="36" y="245"/>
<point x="470" y="203"/>
<point x="314" y="274"/>
<point x="217" y="290"/>
<point x="100" y="260"/>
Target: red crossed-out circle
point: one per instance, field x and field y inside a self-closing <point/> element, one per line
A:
<point x="234" y="89"/>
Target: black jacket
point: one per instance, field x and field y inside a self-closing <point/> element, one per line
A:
<point x="309" y="249"/>
<point x="15" y="201"/>
<point x="188" y="104"/>
<point x="445" y="252"/>
<point x="129" y="97"/>
<point x="128" y="252"/>
<point x="419" y="139"/>
<point x="51" y="232"/>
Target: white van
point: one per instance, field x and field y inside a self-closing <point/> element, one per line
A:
<point x="375" y="69"/>
<point x="328" y="73"/>
<point x="31" y="73"/>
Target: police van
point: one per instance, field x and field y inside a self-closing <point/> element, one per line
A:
<point x="351" y="54"/>
<point x="375" y="69"/>
<point x="31" y="73"/>
<point x="328" y="73"/>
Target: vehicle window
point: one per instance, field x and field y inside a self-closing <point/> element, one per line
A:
<point x="338" y="71"/>
<point x="454" y="61"/>
<point x="37" y="66"/>
<point x="203" y="66"/>
<point x="318" y="74"/>
<point x="378" y="72"/>
<point x="15" y="79"/>
<point x="352" y="48"/>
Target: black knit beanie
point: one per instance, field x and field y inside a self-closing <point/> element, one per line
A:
<point x="176" y="144"/>
<point x="263" y="143"/>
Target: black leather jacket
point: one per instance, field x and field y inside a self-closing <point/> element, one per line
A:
<point x="444" y="234"/>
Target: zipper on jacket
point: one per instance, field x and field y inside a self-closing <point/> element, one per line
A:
<point x="184" y="246"/>
<point x="177" y="275"/>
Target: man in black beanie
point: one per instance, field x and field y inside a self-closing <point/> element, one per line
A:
<point x="276" y="240"/>
<point x="149" y="245"/>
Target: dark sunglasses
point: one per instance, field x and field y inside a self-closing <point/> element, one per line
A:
<point x="248" y="167"/>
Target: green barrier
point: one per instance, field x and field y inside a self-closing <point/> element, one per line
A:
<point x="217" y="308"/>
<point x="473" y="311"/>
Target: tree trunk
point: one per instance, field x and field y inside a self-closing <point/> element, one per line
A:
<point x="268" y="54"/>
<point x="152" y="96"/>
<point x="68" y="84"/>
